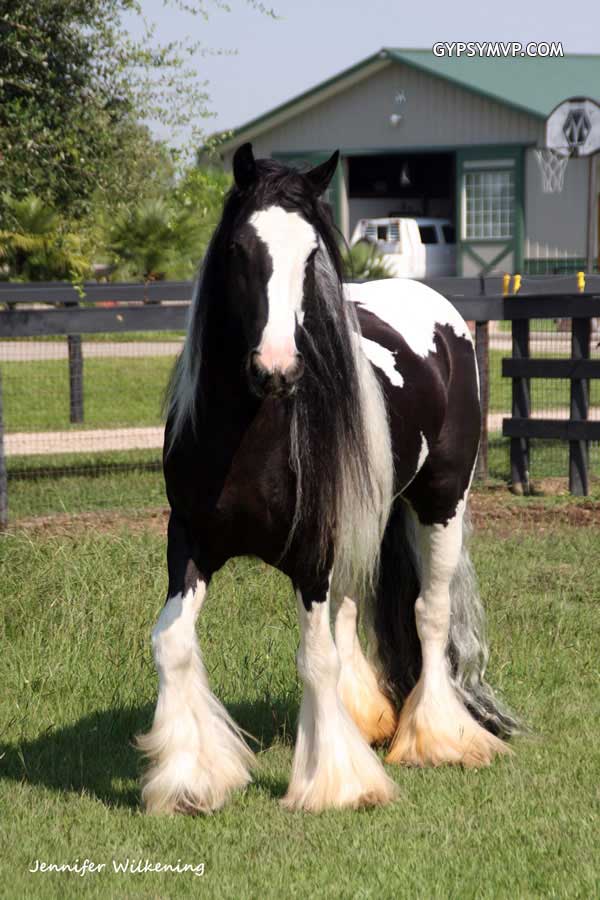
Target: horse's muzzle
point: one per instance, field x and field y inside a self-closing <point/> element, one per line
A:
<point x="273" y="383"/>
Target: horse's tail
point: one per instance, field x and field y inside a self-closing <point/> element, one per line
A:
<point x="397" y="643"/>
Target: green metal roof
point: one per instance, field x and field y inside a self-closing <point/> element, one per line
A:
<point x="534" y="84"/>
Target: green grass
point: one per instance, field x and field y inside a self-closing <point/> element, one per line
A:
<point x="546" y="393"/>
<point x="83" y="482"/>
<point x="117" y="393"/>
<point x="129" y="392"/>
<point x="78" y="683"/>
<point x="73" y="483"/>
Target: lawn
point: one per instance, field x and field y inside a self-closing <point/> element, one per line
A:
<point x="78" y="683"/>
<point x="72" y="483"/>
<point x="128" y="392"/>
<point x="132" y="480"/>
<point x="546" y="393"/>
<point x="117" y="393"/>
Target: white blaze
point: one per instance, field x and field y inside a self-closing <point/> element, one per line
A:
<point x="289" y="240"/>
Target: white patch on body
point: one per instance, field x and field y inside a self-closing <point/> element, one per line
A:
<point x="196" y="752"/>
<point x="384" y="359"/>
<point x="333" y="765"/>
<point x="412" y="309"/>
<point x="289" y="240"/>
<point x="423" y="452"/>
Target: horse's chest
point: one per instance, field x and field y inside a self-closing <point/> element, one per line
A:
<point x="252" y="509"/>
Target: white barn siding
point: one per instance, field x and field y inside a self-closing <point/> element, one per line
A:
<point x="436" y="113"/>
<point x="556" y="224"/>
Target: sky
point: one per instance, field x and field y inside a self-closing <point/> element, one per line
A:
<point x="311" y="40"/>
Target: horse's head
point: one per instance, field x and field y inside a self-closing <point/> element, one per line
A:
<point x="271" y="256"/>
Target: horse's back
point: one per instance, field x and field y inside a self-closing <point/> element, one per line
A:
<point x="423" y="354"/>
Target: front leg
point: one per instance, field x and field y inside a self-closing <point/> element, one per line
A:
<point x="333" y="765"/>
<point x="358" y="685"/>
<point x="196" y="753"/>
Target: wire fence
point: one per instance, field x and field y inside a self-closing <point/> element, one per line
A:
<point x="550" y="399"/>
<point x="83" y="422"/>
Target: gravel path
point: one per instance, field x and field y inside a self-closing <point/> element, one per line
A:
<point x="28" y="351"/>
<point x="31" y="443"/>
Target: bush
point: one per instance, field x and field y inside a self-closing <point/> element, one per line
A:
<point x="364" y="262"/>
<point x="37" y="245"/>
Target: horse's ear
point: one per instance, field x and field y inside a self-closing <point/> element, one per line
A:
<point x="244" y="166"/>
<point x="320" y="176"/>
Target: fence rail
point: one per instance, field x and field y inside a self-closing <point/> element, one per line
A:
<point x="30" y="311"/>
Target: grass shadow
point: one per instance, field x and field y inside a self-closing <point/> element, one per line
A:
<point x="96" y="755"/>
<point x="267" y="721"/>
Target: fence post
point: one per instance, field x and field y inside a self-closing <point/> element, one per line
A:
<point x="3" y="474"/>
<point x="519" y="447"/>
<point x="581" y="330"/>
<point x="75" y="378"/>
<point x="482" y="352"/>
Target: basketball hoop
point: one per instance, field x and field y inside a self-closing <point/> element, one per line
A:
<point x="553" y="165"/>
<point x="572" y="129"/>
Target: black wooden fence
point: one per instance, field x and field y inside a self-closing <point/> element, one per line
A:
<point x="162" y="306"/>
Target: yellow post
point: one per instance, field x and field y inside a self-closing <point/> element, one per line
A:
<point x="581" y="282"/>
<point x="505" y="284"/>
<point x="516" y="284"/>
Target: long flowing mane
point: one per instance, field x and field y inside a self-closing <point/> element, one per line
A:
<point x="339" y="446"/>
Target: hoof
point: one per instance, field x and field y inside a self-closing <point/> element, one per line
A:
<point x="371" y="711"/>
<point x="442" y="732"/>
<point x="334" y="768"/>
<point x="322" y="794"/>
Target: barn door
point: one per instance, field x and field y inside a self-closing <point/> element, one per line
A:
<point x="308" y="160"/>
<point x="489" y="210"/>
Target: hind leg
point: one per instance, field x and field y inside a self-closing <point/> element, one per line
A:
<point x="435" y="727"/>
<point x="358" y="685"/>
<point x="333" y="765"/>
<point x="196" y="753"/>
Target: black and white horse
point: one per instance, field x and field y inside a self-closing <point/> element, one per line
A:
<point x="331" y="431"/>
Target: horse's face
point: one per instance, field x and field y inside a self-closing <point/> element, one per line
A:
<point x="267" y="275"/>
<point x="270" y="255"/>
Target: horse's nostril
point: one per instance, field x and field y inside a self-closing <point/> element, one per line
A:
<point x="296" y="371"/>
<point x="253" y="362"/>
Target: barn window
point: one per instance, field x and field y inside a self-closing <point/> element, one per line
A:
<point x="489" y="204"/>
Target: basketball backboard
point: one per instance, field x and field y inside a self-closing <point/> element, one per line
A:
<point x="573" y="127"/>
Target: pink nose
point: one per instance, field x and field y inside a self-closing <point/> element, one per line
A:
<point x="277" y="355"/>
<point x="276" y="381"/>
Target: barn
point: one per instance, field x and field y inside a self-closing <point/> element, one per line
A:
<point x="451" y="137"/>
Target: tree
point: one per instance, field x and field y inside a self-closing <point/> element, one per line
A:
<point x="74" y="90"/>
